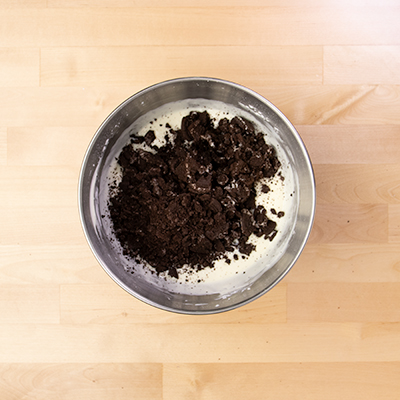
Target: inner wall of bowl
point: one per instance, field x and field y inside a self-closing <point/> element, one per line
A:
<point x="107" y="144"/>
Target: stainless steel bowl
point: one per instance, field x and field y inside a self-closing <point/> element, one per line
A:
<point x="108" y="141"/>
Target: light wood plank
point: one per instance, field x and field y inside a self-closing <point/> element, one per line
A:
<point x="126" y="65"/>
<point x="48" y="146"/>
<point x="358" y="184"/>
<point x="89" y="106"/>
<point x="221" y="3"/>
<point x="350" y="223"/>
<point x="341" y="302"/>
<point x="70" y="381"/>
<point x="358" y="105"/>
<point x="4" y="4"/>
<point x="336" y="104"/>
<point x="194" y="343"/>
<point x="29" y="304"/>
<point x="38" y="225"/>
<point x="352" y="144"/>
<point x="105" y="304"/>
<point x="282" y="381"/>
<point x="361" y="64"/>
<point x="60" y="107"/>
<point x="49" y="264"/>
<point x="347" y="262"/>
<point x="37" y="186"/>
<point x="151" y="3"/>
<point x="19" y="67"/>
<point x="3" y="146"/>
<point x="158" y="3"/>
<point x="198" y="26"/>
<point x="394" y="223"/>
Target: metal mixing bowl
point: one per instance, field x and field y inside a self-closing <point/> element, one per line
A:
<point x="93" y="189"/>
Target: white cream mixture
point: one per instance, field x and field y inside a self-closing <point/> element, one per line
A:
<point x="281" y="197"/>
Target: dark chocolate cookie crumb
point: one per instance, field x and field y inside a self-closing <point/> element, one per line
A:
<point x="193" y="200"/>
<point x="265" y="188"/>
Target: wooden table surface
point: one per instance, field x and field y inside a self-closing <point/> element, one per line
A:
<point x="329" y="330"/>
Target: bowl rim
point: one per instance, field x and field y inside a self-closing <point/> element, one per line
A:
<point x="262" y="99"/>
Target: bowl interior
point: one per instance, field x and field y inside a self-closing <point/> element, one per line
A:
<point x="93" y="191"/>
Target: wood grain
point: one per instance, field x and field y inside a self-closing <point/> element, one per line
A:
<point x="394" y="223"/>
<point x="362" y="302"/>
<point x="359" y="64"/>
<point x="53" y="226"/>
<point x="350" y="223"/>
<point x="38" y="185"/>
<point x="38" y="264"/>
<point x="330" y="329"/>
<point x="21" y="302"/>
<point x="76" y="66"/>
<point x="88" y="106"/>
<point x="209" y="3"/>
<point x="198" y="26"/>
<point x="3" y="146"/>
<point x="359" y="183"/>
<point x="22" y="3"/>
<point x="60" y="107"/>
<point x="104" y="304"/>
<point x="376" y="144"/>
<point x="91" y="381"/>
<point x="345" y="262"/>
<point x="20" y="67"/>
<point x="336" y="104"/>
<point x="51" y="146"/>
<point x="209" y="343"/>
<point x="282" y="381"/>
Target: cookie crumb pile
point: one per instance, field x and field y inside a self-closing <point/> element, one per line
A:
<point x="192" y="200"/>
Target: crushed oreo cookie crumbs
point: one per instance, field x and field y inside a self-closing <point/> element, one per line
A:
<point x="192" y="201"/>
